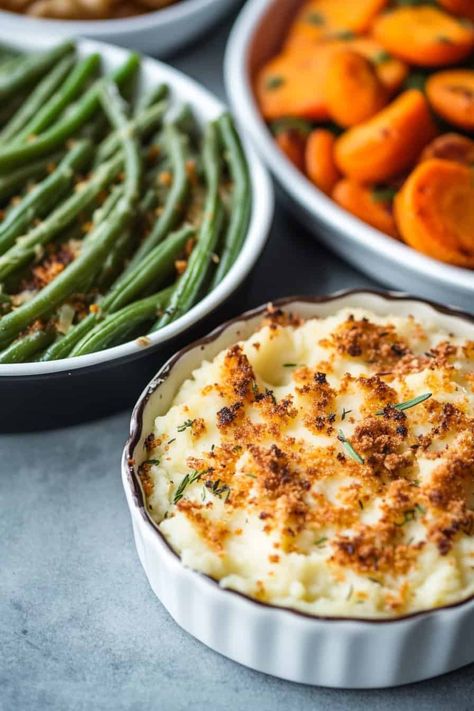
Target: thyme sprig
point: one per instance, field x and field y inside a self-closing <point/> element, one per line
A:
<point x="349" y="448"/>
<point x="187" y="480"/>
<point x="185" y="425"/>
<point x="408" y="403"/>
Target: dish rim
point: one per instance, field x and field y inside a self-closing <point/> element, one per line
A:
<point x="209" y="106"/>
<point x="301" y="191"/>
<point x="177" y="12"/>
<point x="136" y="427"/>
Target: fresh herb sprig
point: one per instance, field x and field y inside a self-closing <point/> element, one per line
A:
<point x="189" y="479"/>
<point x="349" y="448"/>
<point x="185" y="425"/>
<point x="408" y="403"/>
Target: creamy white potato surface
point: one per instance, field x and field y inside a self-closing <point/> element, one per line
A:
<point x="325" y="465"/>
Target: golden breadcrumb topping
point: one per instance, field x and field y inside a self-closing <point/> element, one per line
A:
<point x="325" y="465"/>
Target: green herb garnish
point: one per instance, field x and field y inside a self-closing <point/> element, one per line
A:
<point x="218" y="489"/>
<point x="152" y="461"/>
<point x="186" y="481"/>
<point x="408" y="403"/>
<point x="349" y="448"/>
<point x="315" y="18"/>
<point x="185" y="425"/>
<point x="290" y="365"/>
<point x="349" y="594"/>
<point x="291" y="123"/>
<point x="344" y="35"/>
<point x="383" y="194"/>
<point x="321" y="541"/>
<point x="344" y="413"/>
<point x="274" y="82"/>
<point x="381" y="57"/>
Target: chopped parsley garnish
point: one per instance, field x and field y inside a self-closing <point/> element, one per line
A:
<point x="185" y="425"/>
<point x="381" y="57"/>
<point x="349" y="448"/>
<point x="187" y="481"/>
<point x="274" y="82"/>
<point x="383" y="194"/>
<point x="408" y="403"/>
<point x="315" y="18"/>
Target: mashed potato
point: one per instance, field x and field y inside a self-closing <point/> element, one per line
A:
<point x="325" y="465"/>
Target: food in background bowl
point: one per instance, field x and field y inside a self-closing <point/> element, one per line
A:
<point x="118" y="216"/>
<point x="357" y="98"/>
<point x="84" y="9"/>
<point x="323" y="464"/>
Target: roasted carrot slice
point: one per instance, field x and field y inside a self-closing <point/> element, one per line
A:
<point x="293" y="85"/>
<point x="292" y="143"/>
<point x="320" y="166"/>
<point x="451" y="94"/>
<point x="366" y="203"/>
<point x="462" y="8"/>
<point x="425" y="36"/>
<point x="352" y="88"/>
<point x="434" y="211"/>
<point x="450" y="146"/>
<point x="389" y="143"/>
<point x="323" y="19"/>
<point x="391" y="71"/>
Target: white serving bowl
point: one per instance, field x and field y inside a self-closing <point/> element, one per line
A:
<point x="336" y="652"/>
<point x="256" y="36"/>
<point x="157" y="33"/>
<point x="93" y="385"/>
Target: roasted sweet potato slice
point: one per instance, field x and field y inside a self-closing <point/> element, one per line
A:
<point x="462" y="8"/>
<point x="451" y="146"/>
<point x="292" y="84"/>
<point x="434" y="211"/>
<point x="352" y="88"/>
<point x="389" y="143"/>
<point x="451" y="94"/>
<point x="425" y="36"/>
<point x="366" y="203"/>
<point x="292" y="143"/>
<point x="326" y="19"/>
<point x="320" y="165"/>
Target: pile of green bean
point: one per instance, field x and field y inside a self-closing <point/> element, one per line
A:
<point x="117" y="215"/>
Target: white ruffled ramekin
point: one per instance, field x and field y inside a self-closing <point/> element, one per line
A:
<point x="346" y="653"/>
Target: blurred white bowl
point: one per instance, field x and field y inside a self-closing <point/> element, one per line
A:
<point x="157" y="33"/>
<point x="256" y="36"/>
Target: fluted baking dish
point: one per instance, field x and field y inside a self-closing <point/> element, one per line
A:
<point x="335" y="652"/>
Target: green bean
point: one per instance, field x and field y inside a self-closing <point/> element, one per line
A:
<point x="26" y="247"/>
<point x="67" y="125"/>
<point x="22" y="349"/>
<point x="187" y="288"/>
<point x="146" y="100"/>
<point x="62" y="345"/>
<point x="97" y="248"/>
<point x="46" y="194"/>
<point x="11" y="183"/>
<point x="37" y="99"/>
<point x="145" y="122"/>
<point x="116" y="327"/>
<point x="176" y="200"/>
<point x="71" y="88"/>
<point x="152" y="270"/>
<point x="31" y="69"/>
<point x="241" y="197"/>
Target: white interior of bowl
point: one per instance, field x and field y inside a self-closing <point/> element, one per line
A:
<point x="256" y="36"/>
<point x="206" y="107"/>
<point x="182" y="11"/>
